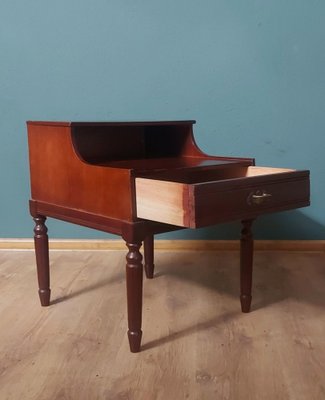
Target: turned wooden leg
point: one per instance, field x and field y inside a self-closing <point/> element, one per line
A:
<point x="246" y="265"/>
<point x="134" y="278"/>
<point x="42" y="260"/>
<point x="148" y="256"/>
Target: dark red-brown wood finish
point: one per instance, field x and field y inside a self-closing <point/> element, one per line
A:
<point x="86" y="173"/>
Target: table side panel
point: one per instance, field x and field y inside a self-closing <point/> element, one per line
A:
<point x="59" y="177"/>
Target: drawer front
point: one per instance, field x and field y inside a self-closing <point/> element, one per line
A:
<point x="248" y="197"/>
<point x="207" y="203"/>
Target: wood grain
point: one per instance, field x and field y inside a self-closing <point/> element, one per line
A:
<point x="59" y="177"/>
<point x="161" y="201"/>
<point x="197" y="344"/>
<point x="256" y="170"/>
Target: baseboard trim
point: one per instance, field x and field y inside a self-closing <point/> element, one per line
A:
<point x="170" y="245"/>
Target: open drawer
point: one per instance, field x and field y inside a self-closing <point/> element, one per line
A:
<point x="200" y="199"/>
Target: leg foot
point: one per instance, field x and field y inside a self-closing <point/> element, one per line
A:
<point x="245" y="302"/>
<point x="44" y="296"/>
<point x="135" y="341"/>
<point x="246" y="265"/>
<point x="149" y="256"/>
<point x="134" y="278"/>
<point x="42" y="260"/>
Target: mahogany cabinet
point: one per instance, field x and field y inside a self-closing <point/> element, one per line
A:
<point x="137" y="179"/>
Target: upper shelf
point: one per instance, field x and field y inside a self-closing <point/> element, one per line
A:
<point x="102" y="143"/>
<point x="139" y="146"/>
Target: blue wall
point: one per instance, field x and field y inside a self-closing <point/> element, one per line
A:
<point x="252" y="73"/>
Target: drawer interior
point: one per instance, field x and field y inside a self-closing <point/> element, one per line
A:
<point x="214" y="174"/>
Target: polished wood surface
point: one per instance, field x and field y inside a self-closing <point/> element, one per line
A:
<point x="138" y="179"/>
<point x="196" y="342"/>
<point x="246" y="265"/>
<point x="148" y="248"/>
<point x="59" y="177"/>
<point x="41" y="241"/>
<point x="134" y="279"/>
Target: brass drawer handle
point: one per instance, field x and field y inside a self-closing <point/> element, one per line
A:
<point x="259" y="197"/>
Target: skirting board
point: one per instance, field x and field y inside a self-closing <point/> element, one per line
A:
<point x="168" y="245"/>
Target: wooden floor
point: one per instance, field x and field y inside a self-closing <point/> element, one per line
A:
<point x="196" y="343"/>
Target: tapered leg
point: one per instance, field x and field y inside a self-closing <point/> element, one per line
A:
<point x="149" y="256"/>
<point x="246" y="265"/>
<point x="42" y="260"/>
<point x="134" y="278"/>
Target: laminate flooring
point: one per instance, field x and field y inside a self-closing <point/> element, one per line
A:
<point x="197" y="345"/>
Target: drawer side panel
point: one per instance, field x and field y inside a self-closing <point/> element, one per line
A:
<point x="162" y="201"/>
